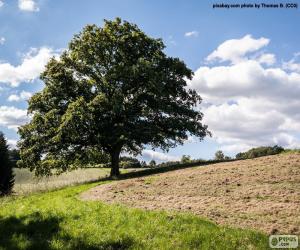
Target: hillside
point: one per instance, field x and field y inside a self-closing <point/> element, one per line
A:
<point x="261" y="194"/>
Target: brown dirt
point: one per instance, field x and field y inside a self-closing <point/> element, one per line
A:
<point x="262" y="193"/>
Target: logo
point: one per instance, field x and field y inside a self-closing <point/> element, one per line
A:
<point x="283" y="241"/>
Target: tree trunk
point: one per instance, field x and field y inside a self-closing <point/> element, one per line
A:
<point x="115" y="171"/>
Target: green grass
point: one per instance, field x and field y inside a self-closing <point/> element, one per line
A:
<point x="59" y="220"/>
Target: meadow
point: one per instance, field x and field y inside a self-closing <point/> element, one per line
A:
<point x="230" y="205"/>
<point x="26" y="182"/>
<point x="60" y="220"/>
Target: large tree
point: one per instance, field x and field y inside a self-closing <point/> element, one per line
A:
<point x="7" y="178"/>
<point x="113" y="90"/>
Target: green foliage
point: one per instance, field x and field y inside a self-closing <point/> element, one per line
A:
<point x="185" y="159"/>
<point x="129" y="162"/>
<point x="93" y="156"/>
<point x="59" y="220"/>
<point x="7" y="179"/>
<point x="152" y="164"/>
<point x="260" y="151"/>
<point x="219" y="155"/>
<point x="113" y="90"/>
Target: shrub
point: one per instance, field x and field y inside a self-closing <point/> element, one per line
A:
<point x="185" y="159"/>
<point x="129" y="162"/>
<point x="219" y="155"/>
<point x="152" y="164"/>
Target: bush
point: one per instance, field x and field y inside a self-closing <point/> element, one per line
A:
<point x="219" y="155"/>
<point x="152" y="164"/>
<point x="7" y="178"/>
<point x="260" y="151"/>
<point x="130" y="164"/>
<point x="185" y="159"/>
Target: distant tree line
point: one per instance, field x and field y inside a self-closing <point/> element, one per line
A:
<point x="130" y="162"/>
<point x="260" y="151"/>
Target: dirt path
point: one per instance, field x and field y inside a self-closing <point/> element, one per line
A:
<point x="262" y="194"/>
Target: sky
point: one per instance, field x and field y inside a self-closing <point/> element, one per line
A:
<point x="246" y="63"/>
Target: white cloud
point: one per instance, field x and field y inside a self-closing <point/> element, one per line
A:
<point x="268" y="59"/>
<point x="30" y="68"/>
<point x="292" y="65"/>
<point x="12" y="117"/>
<point x="12" y="143"/>
<point x="24" y="95"/>
<point x="247" y="78"/>
<point x="2" y="40"/>
<point x="28" y="5"/>
<point x="1" y="3"/>
<point x="193" y="33"/>
<point x="158" y="156"/>
<point x="249" y="103"/>
<point x="235" y="50"/>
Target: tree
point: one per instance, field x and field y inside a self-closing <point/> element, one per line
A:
<point x="114" y="90"/>
<point x="129" y="162"/>
<point x="7" y="178"/>
<point x="185" y="159"/>
<point x="152" y="163"/>
<point x="219" y="155"/>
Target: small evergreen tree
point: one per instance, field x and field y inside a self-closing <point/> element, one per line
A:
<point x="7" y="178"/>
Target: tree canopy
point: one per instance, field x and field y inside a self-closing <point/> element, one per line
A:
<point x="113" y="90"/>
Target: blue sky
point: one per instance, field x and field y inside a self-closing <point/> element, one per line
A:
<point x="249" y="85"/>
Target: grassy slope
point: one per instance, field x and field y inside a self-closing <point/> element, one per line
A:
<point x="59" y="220"/>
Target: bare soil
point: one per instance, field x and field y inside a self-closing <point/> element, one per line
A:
<point x="261" y="194"/>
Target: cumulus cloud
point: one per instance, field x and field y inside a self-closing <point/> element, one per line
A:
<point x="267" y="59"/>
<point x="235" y="50"/>
<point x="158" y="156"/>
<point x="24" y="95"/>
<point x="12" y="143"/>
<point x="28" y="5"/>
<point x="249" y="102"/>
<point x="193" y="33"/>
<point x="2" y="39"/>
<point x="293" y="64"/>
<point x="32" y="65"/>
<point x="12" y="117"/>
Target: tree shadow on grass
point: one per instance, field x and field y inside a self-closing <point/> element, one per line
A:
<point x="37" y="232"/>
<point x="29" y="232"/>
<point x="120" y="244"/>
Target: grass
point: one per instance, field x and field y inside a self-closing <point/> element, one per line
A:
<point x="26" y="182"/>
<point x="59" y="220"/>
